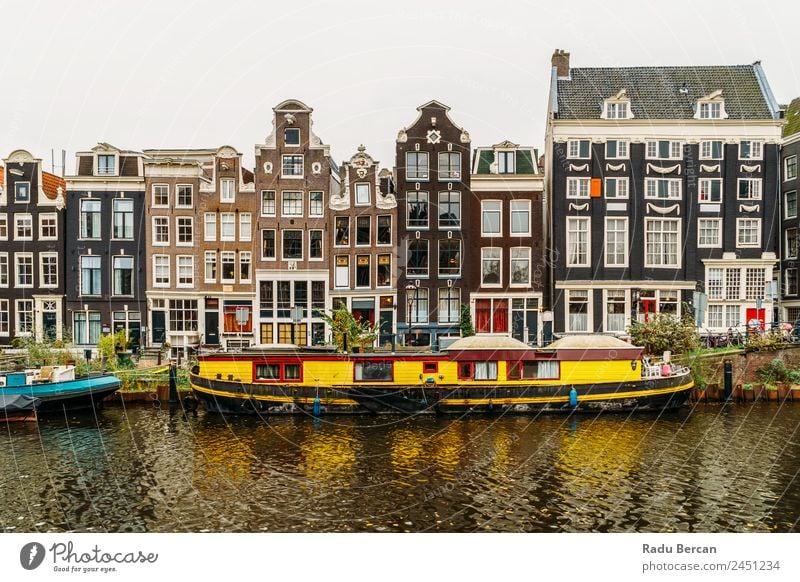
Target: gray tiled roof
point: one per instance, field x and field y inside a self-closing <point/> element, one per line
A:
<point x="655" y="92"/>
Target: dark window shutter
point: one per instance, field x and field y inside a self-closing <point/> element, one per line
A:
<point x="525" y="162"/>
<point x="485" y="159"/>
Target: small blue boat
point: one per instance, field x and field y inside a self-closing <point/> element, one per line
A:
<point x="56" y="388"/>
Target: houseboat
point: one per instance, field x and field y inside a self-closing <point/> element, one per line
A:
<point x="486" y="374"/>
<point x="55" y="388"/>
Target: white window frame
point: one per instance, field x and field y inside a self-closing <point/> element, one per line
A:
<point x="786" y="204"/>
<point x="627" y="294"/>
<point x="302" y="167"/>
<point x="494" y="251"/>
<point x="671" y="195"/>
<point x="675" y="149"/>
<point x="178" y="260"/>
<point x="579" y="220"/>
<point x="181" y="221"/>
<point x="709" y="155"/>
<point x="5" y="270"/>
<point x="227" y="190"/>
<point x="625" y="246"/>
<point x="617" y="181"/>
<point x="678" y="243"/>
<point x="752" y="195"/>
<point x="622" y="144"/>
<point x="114" y="275"/>
<point x="156" y="283"/>
<point x="17" y="319"/>
<point x="418" y="177"/>
<point x="227" y="218"/>
<point x="274" y="203"/>
<point x="227" y="257"/>
<point x="48" y="216"/>
<point x="28" y="190"/>
<point x="787" y="249"/>
<point x="274" y="240"/>
<point x="213" y="262"/>
<point x="711" y="109"/>
<point x="526" y="204"/>
<point x="153" y="196"/>
<point x="786" y="176"/>
<point x="283" y="244"/>
<point x="311" y="212"/>
<point x="5" y="307"/>
<point x="245" y="227"/>
<point x="574" y="149"/>
<point x="579" y="187"/>
<point x="157" y="243"/>
<point x="3" y="226"/>
<point x="178" y="197"/>
<point x="739" y="244"/>
<point x="42" y="283"/>
<point x="617" y="109"/>
<point x="710" y="182"/>
<point x="17" y="265"/>
<point x="285" y="214"/>
<point x="246" y="257"/>
<point x="19" y="217"/>
<point x="210" y="226"/>
<point x="756" y="145"/>
<point x="499" y="211"/>
<point x="700" y="243"/>
<point x="511" y="259"/>
<point x="339" y="271"/>
<point x="322" y="241"/>
<point x="358" y="188"/>
<point x="589" y="311"/>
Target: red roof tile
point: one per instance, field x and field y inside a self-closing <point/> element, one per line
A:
<point x="51" y="183"/>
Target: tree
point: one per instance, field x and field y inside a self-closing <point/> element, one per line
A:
<point x="465" y="322"/>
<point x="665" y="332"/>
<point x="343" y="323"/>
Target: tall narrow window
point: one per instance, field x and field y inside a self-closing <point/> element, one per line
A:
<point x="417" y="209"/>
<point x="521" y="217"/>
<point x="210" y="267"/>
<point x="106" y="165"/>
<point x="4" y="226"/>
<point x="362" y="194"/>
<point x="161" y="271"/>
<point x="228" y="266"/>
<point x="316" y="204"/>
<point x="185" y="271"/>
<point x="491" y="217"/>
<point x="4" y="282"/>
<point x="90" y="275"/>
<point x="123" y="218"/>
<point x="244" y="266"/>
<point x="449" y="165"/>
<point x="616" y="242"/>
<point x="160" y="195"/>
<point x="90" y="219"/>
<point x="245" y="227"/>
<point x="578" y="307"/>
<point x="416" y="166"/>
<point x="342" y="231"/>
<point x="521" y="266"/>
<point x="268" y="244"/>
<point x="362" y="271"/>
<point x="384" y="270"/>
<point x="185" y="229"/>
<point x="342" y="273"/>
<point x="228" y="190"/>
<point x="123" y="275"/>
<point x="227" y="226"/>
<point x="210" y="227"/>
<point x="384" y="230"/>
<point x="268" y="203"/>
<point x="449" y="258"/>
<point x="24" y="269"/>
<point x="419" y="305"/>
<point x="449" y="304"/>
<point x="417" y="265"/>
<point x="790" y="168"/>
<point x="48" y="269"/>
<point x="161" y="230"/>
<point x="363" y="230"/>
<point x="505" y="162"/>
<point x="491" y="266"/>
<point x="662" y="238"/>
<point x="449" y="209"/>
<point x="315" y="244"/>
<point x="577" y="242"/>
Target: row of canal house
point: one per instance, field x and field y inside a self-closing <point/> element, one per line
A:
<point x="664" y="189"/>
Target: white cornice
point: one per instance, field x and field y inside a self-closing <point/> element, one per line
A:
<point x="766" y="129"/>
<point x="94" y="183"/>
<point x="502" y="182"/>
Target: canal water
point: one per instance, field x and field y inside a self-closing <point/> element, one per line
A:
<point x="712" y="469"/>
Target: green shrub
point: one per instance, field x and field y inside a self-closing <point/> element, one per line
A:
<point x="666" y="333"/>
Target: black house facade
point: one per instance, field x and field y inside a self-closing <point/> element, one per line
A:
<point x="105" y="246"/>
<point x="664" y="195"/>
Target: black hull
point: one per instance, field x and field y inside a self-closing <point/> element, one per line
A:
<point x="239" y="398"/>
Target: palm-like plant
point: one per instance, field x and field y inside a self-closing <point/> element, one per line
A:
<point x="347" y="331"/>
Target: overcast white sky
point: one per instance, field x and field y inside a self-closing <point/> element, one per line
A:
<point x="203" y="74"/>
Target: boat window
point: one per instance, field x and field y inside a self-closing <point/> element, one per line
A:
<point x="541" y="370"/>
<point x="268" y="372"/>
<point x="291" y="371"/>
<point x="486" y="370"/>
<point x="430" y="367"/>
<point x="375" y="371"/>
<point x="465" y="371"/>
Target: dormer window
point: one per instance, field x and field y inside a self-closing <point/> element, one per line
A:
<point x="505" y="162"/>
<point x="617" y="107"/>
<point x="711" y="106"/>
<point x="106" y="165"/>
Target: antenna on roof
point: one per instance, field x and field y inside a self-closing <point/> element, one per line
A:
<point x="684" y="89"/>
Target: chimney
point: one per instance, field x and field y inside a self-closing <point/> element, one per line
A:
<point x="560" y="61"/>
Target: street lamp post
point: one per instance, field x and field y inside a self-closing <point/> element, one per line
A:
<point x="409" y="288"/>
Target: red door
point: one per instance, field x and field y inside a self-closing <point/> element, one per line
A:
<point x="753" y="313"/>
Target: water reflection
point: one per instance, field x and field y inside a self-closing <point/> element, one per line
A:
<point x="714" y="469"/>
